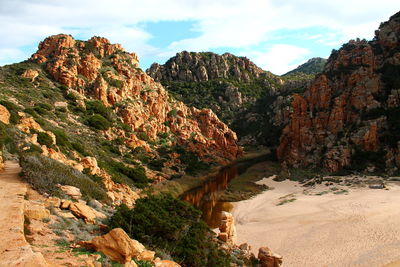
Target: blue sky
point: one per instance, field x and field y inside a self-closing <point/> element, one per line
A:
<point x="277" y="35"/>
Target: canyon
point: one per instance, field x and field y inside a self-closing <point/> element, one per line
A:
<point x="293" y="163"/>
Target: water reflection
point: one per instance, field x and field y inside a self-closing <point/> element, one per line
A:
<point x="206" y="197"/>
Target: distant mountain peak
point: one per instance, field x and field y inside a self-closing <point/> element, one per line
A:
<point x="312" y="66"/>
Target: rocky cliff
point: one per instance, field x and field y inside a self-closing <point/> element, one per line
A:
<point x="231" y="86"/>
<point x="348" y="117"/>
<point x="205" y="66"/>
<point x="100" y="70"/>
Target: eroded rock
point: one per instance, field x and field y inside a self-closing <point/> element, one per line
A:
<point x="118" y="246"/>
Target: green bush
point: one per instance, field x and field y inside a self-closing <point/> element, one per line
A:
<point x="61" y="138"/>
<point x="191" y="160"/>
<point x="79" y="147"/>
<point x="3" y="135"/>
<point x="44" y="106"/>
<point x="98" y="122"/>
<point x="13" y="109"/>
<point x="97" y="107"/>
<point x="44" y="174"/>
<point x="172" y="225"/>
<point x="124" y="174"/>
<point x="172" y="113"/>
<point x="156" y="164"/>
<point x="44" y="139"/>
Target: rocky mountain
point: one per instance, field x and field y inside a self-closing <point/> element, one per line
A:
<point x="348" y="117"/>
<point x="225" y="83"/>
<point x="92" y="133"/>
<point x="313" y="66"/>
<point x="77" y="99"/>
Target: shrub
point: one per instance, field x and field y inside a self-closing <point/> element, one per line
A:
<point x="172" y="225"/>
<point x="98" y="122"/>
<point x="79" y="147"/>
<point x="191" y="160"/>
<point x="13" y="109"/>
<point x="124" y="174"/>
<point x="172" y="113"/>
<point x="61" y="138"/>
<point x="44" y="139"/>
<point x="3" y="135"/>
<point x="97" y="107"/>
<point x="44" y="174"/>
<point x="34" y="148"/>
<point x="44" y="106"/>
<point x="156" y="164"/>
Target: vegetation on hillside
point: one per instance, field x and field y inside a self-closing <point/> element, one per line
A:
<point x="172" y="228"/>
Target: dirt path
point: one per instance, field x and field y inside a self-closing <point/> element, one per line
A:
<point x="14" y="249"/>
<point x="358" y="228"/>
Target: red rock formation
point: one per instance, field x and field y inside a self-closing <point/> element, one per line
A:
<point x="104" y="71"/>
<point x="339" y="112"/>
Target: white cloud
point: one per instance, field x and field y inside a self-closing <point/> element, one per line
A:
<point x="221" y="23"/>
<point x="8" y="55"/>
<point x="279" y="58"/>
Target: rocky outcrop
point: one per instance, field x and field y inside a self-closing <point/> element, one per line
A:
<point x="88" y="214"/>
<point x="36" y="211"/>
<point x="205" y="66"/>
<point x="71" y="191"/>
<point x="30" y="74"/>
<point x="104" y="71"/>
<point x="231" y="86"/>
<point x="118" y="246"/>
<point x="346" y="117"/>
<point x="227" y="229"/>
<point x="4" y="115"/>
<point x="269" y="259"/>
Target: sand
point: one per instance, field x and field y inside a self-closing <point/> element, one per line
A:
<point x="358" y="228"/>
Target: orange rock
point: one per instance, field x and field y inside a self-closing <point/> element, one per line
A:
<point x="227" y="228"/>
<point x="4" y="115"/>
<point x="91" y="164"/>
<point x="146" y="105"/>
<point x="30" y="74"/>
<point x="118" y="246"/>
<point x="85" y="212"/>
<point x="268" y="258"/>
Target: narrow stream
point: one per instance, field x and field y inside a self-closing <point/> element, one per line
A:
<point x="207" y="196"/>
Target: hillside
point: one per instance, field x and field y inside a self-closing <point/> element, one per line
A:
<point x="313" y="66"/>
<point x="348" y="117"/>
<point x="225" y="83"/>
<point x="86" y="123"/>
<point x="242" y="94"/>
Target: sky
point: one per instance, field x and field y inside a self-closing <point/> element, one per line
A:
<point x="277" y="35"/>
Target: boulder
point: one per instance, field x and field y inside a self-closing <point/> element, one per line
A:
<point x="118" y="246"/>
<point x="227" y="228"/>
<point x="36" y="211"/>
<point x="85" y="212"/>
<point x="91" y="164"/>
<point x="165" y="263"/>
<point x="65" y="204"/>
<point x="71" y="191"/>
<point x="269" y="259"/>
<point x="4" y="115"/>
<point x="30" y="74"/>
<point x="53" y="202"/>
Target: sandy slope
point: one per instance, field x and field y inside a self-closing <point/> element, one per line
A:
<point x="361" y="228"/>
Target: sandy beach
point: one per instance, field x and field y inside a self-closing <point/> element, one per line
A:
<point x="325" y="226"/>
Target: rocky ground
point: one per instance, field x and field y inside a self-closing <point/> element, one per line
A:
<point x="317" y="223"/>
<point x="42" y="231"/>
